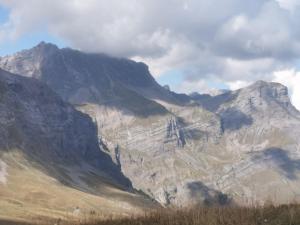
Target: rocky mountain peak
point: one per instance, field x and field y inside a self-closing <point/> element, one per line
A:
<point x="266" y="93"/>
<point x="81" y="78"/>
<point x="46" y="46"/>
<point x="269" y="89"/>
<point x="29" y="62"/>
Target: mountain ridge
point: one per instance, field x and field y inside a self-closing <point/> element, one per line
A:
<point x="131" y="75"/>
<point x="174" y="147"/>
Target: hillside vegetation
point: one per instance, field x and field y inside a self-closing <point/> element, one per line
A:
<point x="281" y="215"/>
<point x="267" y="215"/>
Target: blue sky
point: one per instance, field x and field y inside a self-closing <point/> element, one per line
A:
<point x="171" y="77"/>
<point x="175" y="78"/>
<point x="4" y="13"/>
<point x="27" y="40"/>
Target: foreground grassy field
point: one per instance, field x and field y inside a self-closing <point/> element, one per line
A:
<point x="281" y="215"/>
<point x="269" y="215"/>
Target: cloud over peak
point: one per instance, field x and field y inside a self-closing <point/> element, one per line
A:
<point x="208" y="40"/>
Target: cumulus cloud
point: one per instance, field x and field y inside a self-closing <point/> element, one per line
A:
<point x="231" y="41"/>
<point x="291" y="79"/>
<point x="234" y="85"/>
<point x="289" y="4"/>
<point x="190" y="87"/>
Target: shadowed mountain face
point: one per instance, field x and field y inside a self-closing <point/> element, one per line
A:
<point x="50" y="156"/>
<point x="35" y="120"/>
<point x="92" y="78"/>
<point x="178" y="149"/>
<point x="280" y="159"/>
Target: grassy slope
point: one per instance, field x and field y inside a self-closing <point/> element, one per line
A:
<point x="31" y="194"/>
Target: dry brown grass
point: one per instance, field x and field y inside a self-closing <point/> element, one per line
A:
<point x="267" y="215"/>
<point x="271" y="215"/>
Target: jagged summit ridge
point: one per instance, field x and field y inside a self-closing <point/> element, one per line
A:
<point x="87" y="77"/>
<point x="270" y="90"/>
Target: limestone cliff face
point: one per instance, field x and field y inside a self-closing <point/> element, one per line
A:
<point x="180" y="149"/>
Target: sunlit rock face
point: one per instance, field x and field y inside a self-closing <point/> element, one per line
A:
<point x="241" y="145"/>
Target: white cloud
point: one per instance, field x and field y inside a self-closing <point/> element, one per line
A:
<point x="231" y="41"/>
<point x="289" y="4"/>
<point x="199" y="86"/>
<point x="291" y="79"/>
<point x="234" y="85"/>
<point x="153" y="28"/>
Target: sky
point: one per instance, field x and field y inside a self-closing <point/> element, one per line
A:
<point x="191" y="45"/>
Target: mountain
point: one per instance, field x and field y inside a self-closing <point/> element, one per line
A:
<point x="239" y="146"/>
<point x="95" y="78"/>
<point x="50" y="158"/>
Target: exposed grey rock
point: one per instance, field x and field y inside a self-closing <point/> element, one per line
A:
<point x="49" y="131"/>
<point x="174" y="131"/>
<point x="167" y="87"/>
<point x="176" y="148"/>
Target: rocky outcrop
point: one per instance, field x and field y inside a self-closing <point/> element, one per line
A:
<point x="174" y="131"/>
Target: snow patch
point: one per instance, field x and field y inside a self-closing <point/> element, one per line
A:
<point x="3" y="172"/>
